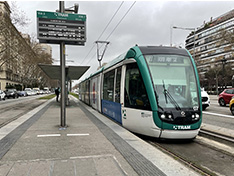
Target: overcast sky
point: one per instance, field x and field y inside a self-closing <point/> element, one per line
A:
<point x="147" y="23"/>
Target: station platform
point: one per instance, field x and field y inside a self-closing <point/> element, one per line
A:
<point x="90" y="145"/>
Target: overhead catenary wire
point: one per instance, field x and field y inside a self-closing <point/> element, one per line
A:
<point x="121" y="20"/>
<point x="110" y="20"/>
<point x="116" y="26"/>
<point x="104" y="30"/>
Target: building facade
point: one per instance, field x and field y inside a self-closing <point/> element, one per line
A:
<point x="213" y="43"/>
<point x="19" y="57"/>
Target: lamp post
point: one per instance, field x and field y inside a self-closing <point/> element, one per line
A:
<point x="188" y="29"/>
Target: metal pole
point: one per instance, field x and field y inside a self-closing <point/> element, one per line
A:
<point x="63" y="76"/>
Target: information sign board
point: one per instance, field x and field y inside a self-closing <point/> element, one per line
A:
<point x="55" y="27"/>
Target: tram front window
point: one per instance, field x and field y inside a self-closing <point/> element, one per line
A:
<point x="174" y="81"/>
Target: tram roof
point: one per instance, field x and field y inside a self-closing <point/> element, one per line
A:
<point x="145" y="50"/>
<point x="72" y="72"/>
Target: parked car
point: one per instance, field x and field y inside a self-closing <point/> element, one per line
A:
<point x="231" y="105"/>
<point x="205" y="99"/>
<point x="41" y="92"/>
<point x="37" y="90"/>
<point x="2" y="95"/>
<point x="46" y="90"/>
<point x="11" y="93"/>
<point x="22" y="93"/>
<point x="28" y="91"/>
<point x="226" y="96"/>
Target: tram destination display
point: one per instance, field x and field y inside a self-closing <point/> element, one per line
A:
<point x="55" y="27"/>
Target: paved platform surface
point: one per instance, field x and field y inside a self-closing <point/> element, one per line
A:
<point x="90" y="145"/>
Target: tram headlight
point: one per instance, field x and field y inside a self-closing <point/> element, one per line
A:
<point x="195" y="116"/>
<point x="163" y="116"/>
<point x="169" y="116"/>
<point x="166" y="116"/>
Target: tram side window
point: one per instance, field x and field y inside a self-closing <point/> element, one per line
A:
<point x="108" y="85"/>
<point x="135" y="95"/>
<point x="117" y="87"/>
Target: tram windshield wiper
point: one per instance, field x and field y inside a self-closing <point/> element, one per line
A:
<point x="157" y="98"/>
<point x="172" y="100"/>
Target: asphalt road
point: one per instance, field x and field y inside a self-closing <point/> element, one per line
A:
<point x="11" y="109"/>
<point x="217" y="115"/>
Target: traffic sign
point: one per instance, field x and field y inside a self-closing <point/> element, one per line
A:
<point x="55" y="27"/>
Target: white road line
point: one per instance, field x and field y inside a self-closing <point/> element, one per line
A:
<point x="49" y="135"/>
<point x="85" y="134"/>
<point x="222" y="115"/>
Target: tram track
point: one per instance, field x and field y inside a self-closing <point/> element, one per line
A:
<point x="220" y="137"/>
<point x="11" y="112"/>
<point x="181" y="159"/>
<point x="208" y="154"/>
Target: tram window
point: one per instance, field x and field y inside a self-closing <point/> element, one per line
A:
<point x="117" y="87"/>
<point x="135" y="95"/>
<point x="108" y="85"/>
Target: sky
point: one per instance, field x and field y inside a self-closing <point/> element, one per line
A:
<point x="147" y="23"/>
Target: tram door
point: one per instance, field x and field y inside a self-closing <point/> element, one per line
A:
<point x="111" y="106"/>
<point x="136" y="110"/>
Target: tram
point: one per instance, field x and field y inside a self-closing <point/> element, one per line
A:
<point x="149" y="90"/>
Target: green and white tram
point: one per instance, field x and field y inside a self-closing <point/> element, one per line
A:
<point x="151" y="90"/>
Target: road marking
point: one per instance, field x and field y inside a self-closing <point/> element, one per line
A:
<point x="85" y="134"/>
<point x="92" y="156"/>
<point x="49" y="135"/>
<point x="222" y="115"/>
<point x="58" y="135"/>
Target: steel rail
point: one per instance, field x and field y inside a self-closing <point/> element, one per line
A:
<point x="193" y="166"/>
<point x="215" y="135"/>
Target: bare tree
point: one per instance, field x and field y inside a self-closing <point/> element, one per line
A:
<point x="18" y="17"/>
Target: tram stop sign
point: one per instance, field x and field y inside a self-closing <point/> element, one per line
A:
<point x="55" y="27"/>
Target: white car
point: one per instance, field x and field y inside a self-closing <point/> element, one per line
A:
<point x="2" y="95"/>
<point x="205" y="99"/>
<point x="28" y="91"/>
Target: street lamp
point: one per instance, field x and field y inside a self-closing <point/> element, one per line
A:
<point x="188" y="29"/>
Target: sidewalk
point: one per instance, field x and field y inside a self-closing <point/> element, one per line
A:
<point x="90" y="145"/>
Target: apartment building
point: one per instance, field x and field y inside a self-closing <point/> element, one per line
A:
<point x="211" y="48"/>
<point x="18" y="58"/>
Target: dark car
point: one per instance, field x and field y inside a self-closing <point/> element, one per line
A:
<point x="11" y="93"/>
<point x="226" y="96"/>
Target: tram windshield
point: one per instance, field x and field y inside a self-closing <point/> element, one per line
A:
<point x="174" y="81"/>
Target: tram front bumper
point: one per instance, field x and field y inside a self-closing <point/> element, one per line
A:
<point x="179" y="134"/>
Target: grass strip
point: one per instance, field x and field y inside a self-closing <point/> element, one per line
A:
<point x="47" y="97"/>
<point x="75" y="95"/>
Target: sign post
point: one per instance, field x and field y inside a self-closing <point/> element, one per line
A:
<point x="61" y="28"/>
<point x="63" y="79"/>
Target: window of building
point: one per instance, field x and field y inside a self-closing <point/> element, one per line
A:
<point x="135" y="95"/>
